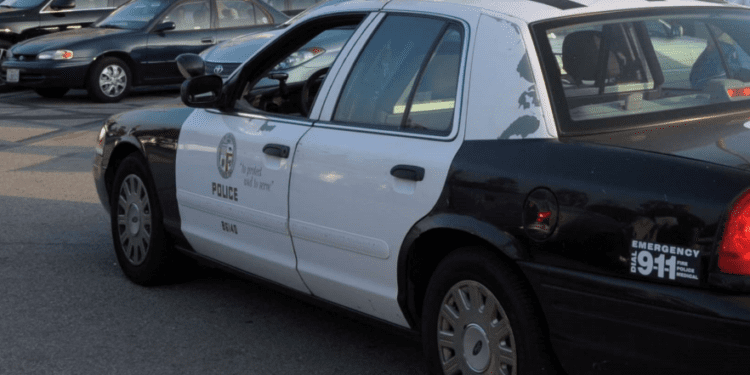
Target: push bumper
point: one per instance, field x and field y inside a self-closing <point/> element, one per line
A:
<point x="48" y="73"/>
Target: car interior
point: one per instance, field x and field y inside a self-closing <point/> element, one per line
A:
<point x="614" y="69"/>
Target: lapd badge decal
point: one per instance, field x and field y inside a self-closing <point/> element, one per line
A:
<point x="225" y="155"/>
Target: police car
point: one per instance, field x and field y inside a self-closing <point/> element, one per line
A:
<point x="534" y="186"/>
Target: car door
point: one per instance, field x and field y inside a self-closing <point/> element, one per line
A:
<point x="377" y="161"/>
<point x="83" y="14"/>
<point x="233" y="169"/>
<point x="192" y="34"/>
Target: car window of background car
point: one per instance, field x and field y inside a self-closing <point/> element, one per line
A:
<point x="233" y="13"/>
<point x="190" y="16"/>
<point x="20" y="4"/>
<point x="89" y="4"/>
<point x="380" y="92"/>
<point x="118" y="3"/>
<point x="134" y="15"/>
<point x="605" y="68"/>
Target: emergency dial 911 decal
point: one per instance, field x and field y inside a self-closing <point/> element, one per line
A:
<point x="665" y="262"/>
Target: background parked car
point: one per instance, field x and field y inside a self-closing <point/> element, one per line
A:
<point x="292" y="7"/>
<point x="135" y="45"/>
<point x="24" y="19"/>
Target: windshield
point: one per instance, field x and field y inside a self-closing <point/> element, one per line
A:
<point x="134" y="15"/>
<point x="618" y="73"/>
<point x="21" y="4"/>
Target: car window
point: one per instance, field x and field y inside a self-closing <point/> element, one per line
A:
<point x="21" y="4"/>
<point x="134" y="15"/>
<point x="190" y="16"/>
<point x="91" y="4"/>
<point x="287" y="75"/>
<point x="234" y="13"/>
<point x="649" y="65"/>
<point x="380" y="91"/>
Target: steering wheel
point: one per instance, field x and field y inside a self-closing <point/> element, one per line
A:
<point x="305" y="100"/>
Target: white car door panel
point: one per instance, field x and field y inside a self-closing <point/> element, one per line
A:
<point x="233" y="178"/>
<point x="349" y="215"/>
<point x="378" y="161"/>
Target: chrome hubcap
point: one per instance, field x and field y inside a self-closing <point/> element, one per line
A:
<point x="474" y="334"/>
<point x="134" y="219"/>
<point x="112" y="80"/>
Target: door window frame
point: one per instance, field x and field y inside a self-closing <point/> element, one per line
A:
<point x="335" y="90"/>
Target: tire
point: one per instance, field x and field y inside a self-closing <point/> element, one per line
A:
<point x="478" y="338"/>
<point x="109" y="80"/>
<point x="4" y="46"/>
<point x="142" y="248"/>
<point x="52" y="92"/>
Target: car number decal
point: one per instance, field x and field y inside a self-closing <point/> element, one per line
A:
<point x="665" y="262"/>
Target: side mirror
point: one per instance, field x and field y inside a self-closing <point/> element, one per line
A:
<point x="201" y="92"/>
<point x="62" y="4"/>
<point x="164" y="26"/>
<point x="190" y="65"/>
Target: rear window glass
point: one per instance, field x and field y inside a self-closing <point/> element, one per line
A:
<point x="602" y="71"/>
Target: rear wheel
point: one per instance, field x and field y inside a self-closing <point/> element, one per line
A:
<point x="141" y="246"/>
<point x="479" y="318"/>
<point x="109" y="80"/>
<point x="52" y="92"/>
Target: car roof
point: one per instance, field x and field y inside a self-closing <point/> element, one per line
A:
<point x="525" y="10"/>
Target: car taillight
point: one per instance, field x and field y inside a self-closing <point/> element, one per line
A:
<point x="734" y="250"/>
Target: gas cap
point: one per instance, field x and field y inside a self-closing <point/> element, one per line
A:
<point x="540" y="214"/>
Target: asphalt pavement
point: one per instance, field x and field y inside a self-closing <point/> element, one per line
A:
<point x="66" y="308"/>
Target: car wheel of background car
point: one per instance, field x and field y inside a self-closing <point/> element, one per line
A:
<point x="4" y="47"/>
<point x="109" y="80"/>
<point x="142" y="249"/>
<point x="313" y="81"/>
<point x="52" y="92"/>
<point x="478" y="317"/>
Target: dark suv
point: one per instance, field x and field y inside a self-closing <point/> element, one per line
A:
<point x="24" y="19"/>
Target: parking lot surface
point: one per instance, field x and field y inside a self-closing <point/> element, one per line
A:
<point x="67" y="308"/>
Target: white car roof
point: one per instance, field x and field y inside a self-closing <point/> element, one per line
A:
<point x="525" y="10"/>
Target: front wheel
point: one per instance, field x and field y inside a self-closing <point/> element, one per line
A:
<point x="142" y="249"/>
<point x="479" y="318"/>
<point x="109" y="80"/>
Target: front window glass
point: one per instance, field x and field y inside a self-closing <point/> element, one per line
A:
<point x="288" y="82"/>
<point x="649" y="65"/>
<point x="20" y="4"/>
<point x="134" y="15"/>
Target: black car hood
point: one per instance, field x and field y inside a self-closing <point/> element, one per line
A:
<point x="723" y="141"/>
<point x="64" y="39"/>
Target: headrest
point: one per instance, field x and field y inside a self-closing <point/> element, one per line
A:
<point x="580" y="54"/>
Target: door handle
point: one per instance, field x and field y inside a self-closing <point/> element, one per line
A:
<point x="279" y="151"/>
<point x="211" y="40"/>
<point x="408" y="172"/>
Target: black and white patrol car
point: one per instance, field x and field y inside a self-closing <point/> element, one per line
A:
<point x="534" y="186"/>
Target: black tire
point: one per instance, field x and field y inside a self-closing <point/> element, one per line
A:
<point x="143" y="250"/>
<point x="508" y="339"/>
<point x="4" y="45"/>
<point x="109" y="80"/>
<point x="52" y="92"/>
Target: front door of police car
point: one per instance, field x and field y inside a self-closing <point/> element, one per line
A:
<point x="233" y="177"/>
